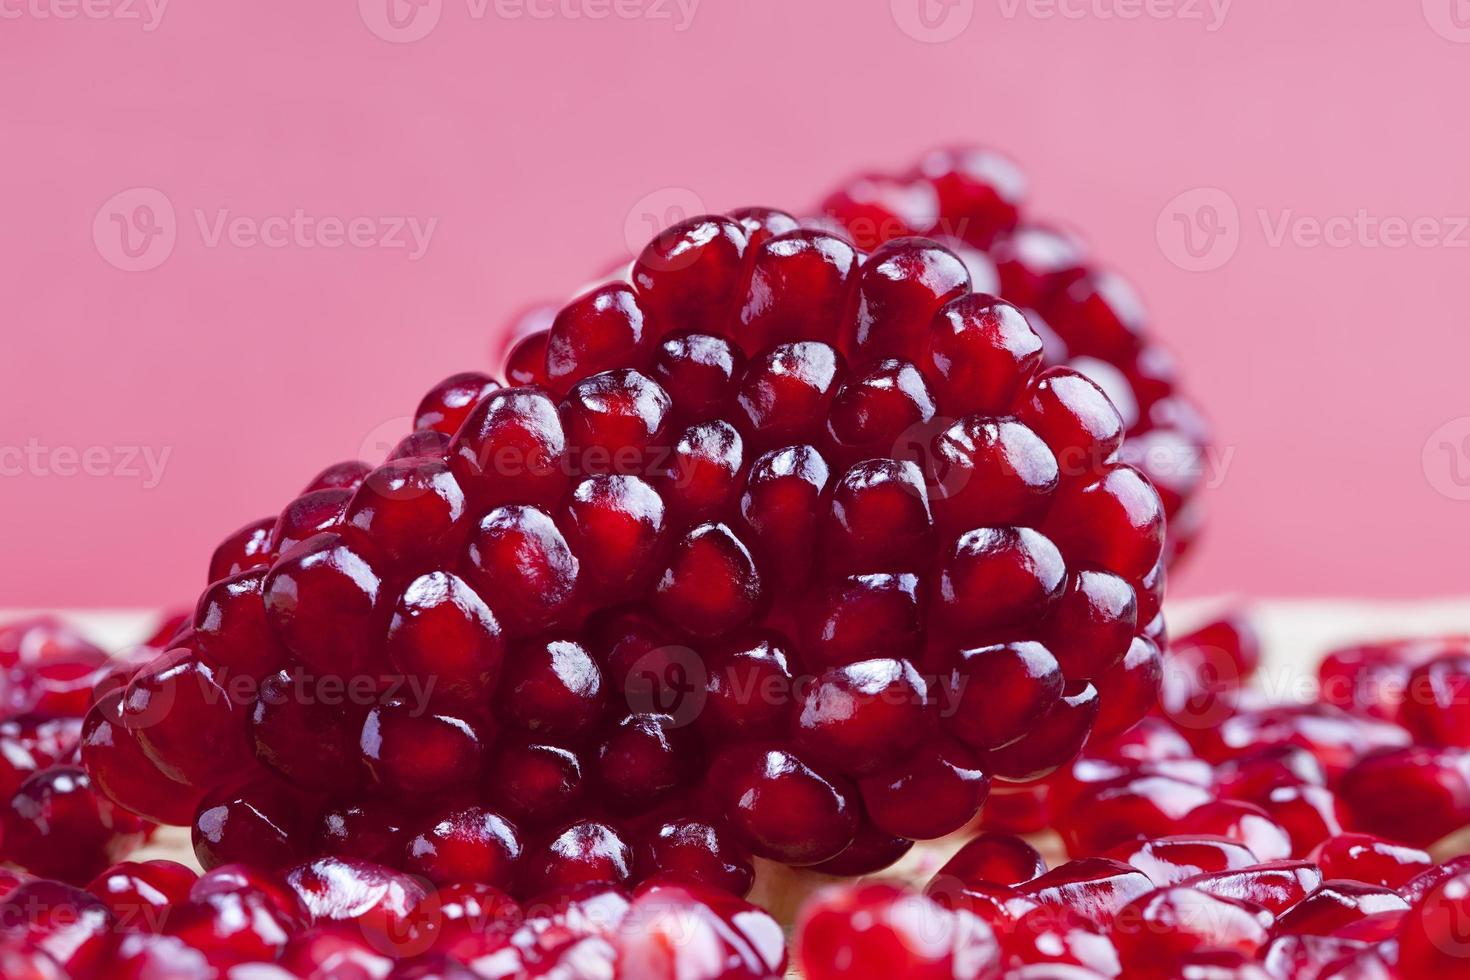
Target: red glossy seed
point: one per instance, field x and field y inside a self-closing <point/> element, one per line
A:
<point x="981" y="352"/>
<point x="247" y="548"/>
<point x="525" y="362"/>
<point x="188" y="723"/>
<point x="1310" y="815"/>
<point x="889" y="932"/>
<point x="997" y="859"/>
<point x="704" y="471"/>
<point x="900" y="288"/>
<point x="1093" y="888"/>
<point x="932" y="794"/>
<point x="309" y="514"/>
<point x="879" y="518"/>
<point x="710" y="585"/>
<point x="552" y="688"/>
<point x="871" y="851"/>
<point x="231" y="927"/>
<point x="782" y="498"/>
<point x="411" y="748"/>
<point x="1053" y="742"/>
<point x="679" y="930"/>
<point x="1243" y="822"/>
<point x="616" y="422"/>
<point x="996" y="577"/>
<point x="990" y="473"/>
<point x="1069" y="411"/>
<point x="1371" y="860"/>
<point x="598" y="331"/>
<point x="1415" y="795"/>
<point x="232" y="631"/>
<point x="615" y="526"/>
<point x="139" y="894"/>
<point x="71" y="927"/>
<point x="786" y="393"/>
<point x="642" y="760"/>
<point x="519" y="556"/>
<point x="1115" y="522"/>
<point x="875" y="208"/>
<point x="864" y="717"/>
<point x="334" y="948"/>
<point x="698" y="370"/>
<point x="304" y="729"/>
<point x="412" y="509"/>
<point x="1275" y="886"/>
<point x="326" y="603"/>
<point x="1336" y="904"/>
<point x="748" y="687"/>
<point x="1171" y="923"/>
<point x="1129" y="690"/>
<point x="446" y="405"/>
<point x="346" y="475"/>
<point x="585" y="852"/>
<point x="1145" y="807"/>
<point x="873" y="413"/>
<point x="783" y="808"/>
<point x="1027" y="677"/>
<point x="1099" y="315"/>
<point x="860" y="617"/>
<point x="698" y="852"/>
<point x="56" y="826"/>
<point x="1432" y="941"/>
<point x="1170" y="860"/>
<point x="799" y="287"/>
<point x="689" y="270"/>
<point x="980" y="191"/>
<point x="464" y="844"/>
<point x="259" y="824"/>
<point x="511" y="448"/>
<point x="381" y="902"/>
<point x="1092" y="624"/>
<point x="443" y="631"/>
<point x="1036" y="262"/>
<point x="117" y="765"/>
<point x="371" y="830"/>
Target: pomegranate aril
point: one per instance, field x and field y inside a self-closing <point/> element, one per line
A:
<point x="1057" y="738"/>
<point x="260" y="823"/>
<point x="1026" y="672"/>
<point x="863" y="717"/>
<point x="1093" y="888"/>
<point x="247" y="548"/>
<point x="616" y="422"/>
<point x="1129" y="689"/>
<point x="783" y="808"/>
<point x="72" y="927"/>
<point x="1432" y="941"/>
<point x="688" y="272"/>
<point x="346" y="475"/>
<point x="999" y="859"/>
<point x="1154" y="932"/>
<point x="877" y="929"/>
<point x="55" y="826"/>
<point x="518" y="555"/>
<point x="643" y="759"/>
<point x="325" y="601"/>
<point x="748" y="687"/>
<point x="598" y="331"/>
<point x="511" y="448"/>
<point x="800" y="282"/>
<point x="188" y="723"/>
<point x="898" y="291"/>
<point x="1070" y="412"/>
<point x="446" y="405"/>
<point x="934" y="792"/>
<point x="981" y="351"/>
<point x="413" y="509"/>
<point x="1245" y="823"/>
<point x="465" y="844"/>
<point x="410" y="747"/>
<point x="786" y="393"/>
<point x="989" y="472"/>
<point x="379" y="902"/>
<point x="1415" y="795"/>
<point x="783" y="494"/>
<point x="991" y="578"/>
<point x="873" y="413"/>
<point x="304" y="729"/>
<point x="711" y="584"/>
<point x="231" y="629"/>
<point x="694" y="851"/>
<point x="1114" y="521"/>
<point x="674" y="931"/>
<point x="139" y="894"/>
<point x="1275" y="886"/>
<point x="1144" y="807"/>
<point x="763" y="224"/>
<point x="117" y="765"/>
<point x="322" y="950"/>
<point x="704" y="471"/>
<point x="371" y="830"/>
<point x="443" y="632"/>
<point x="879" y="518"/>
<point x="1092" y="624"/>
<point x="525" y="362"/>
<point x="309" y="514"/>
<point x="1371" y="860"/>
<point x="1059" y="938"/>
<point x="871" y="851"/>
<point x="1310" y="815"/>
<point x="875" y="208"/>
<point x="585" y="852"/>
<point x="552" y="688"/>
<point x="698" y="370"/>
<point x="1336" y="904"/>
<point x="231" y="927"/>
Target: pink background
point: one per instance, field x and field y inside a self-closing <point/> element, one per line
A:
<point x="536" y="142"/>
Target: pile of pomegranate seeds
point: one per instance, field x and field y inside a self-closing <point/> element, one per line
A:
<point x="52" y="820"/>
<point x="338" y="917"/>
<point x="972" y="201"/>
<point x="1222" y="837"/>
<point x="783" y="550"/>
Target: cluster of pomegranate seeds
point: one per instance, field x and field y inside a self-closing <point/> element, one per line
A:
<point x="53" y="822"/>
<point x="336" y="917"/>
<point x="1223" y="836"/>
<point x="780" y="550"/>
<point x="972" y="201"/>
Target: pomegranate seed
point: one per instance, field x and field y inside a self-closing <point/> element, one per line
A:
<point x="696" y="852"/>
<point x="737" y="666"/>
<point x="875" y="208"/>
<point x="863" y="617"/>
<point x="346" y="475"/>
<point x="932" y="794"/>
<point x="584" y="852"/>
<point x="1170" y="860"/>
<point x="1432" y="942"/>
<point x="370" y="830"/>
<point x="414" y="509"/>
<point x="380" y="901"/>
<point x="310" y="514"/>
<point x="520" y="556"/>
<point x="1028" y="674"/>
<point x="899" y="289"/>
<point x="1415" y="795"/>
<point x="598" y="331"/>
<point x="864" y="717"/>
<point x="615" y="422"/>
<point x="1146" y="807"/>
<point x="465" y="844"/>
<point x="447" y="404"/>
<point x="247" y="548"/>
<point x="995" y="577"/>
<point x="525" y="362"/>
<point x="877" y="929"/>
<point x="698" y="370"/>
<point x="409" y="750"/>
<point x="994" y="858"/>
<point x="70" y="926"/>
<point x="1172" y="923"/>
<point x="258" y="823"/>
<point x="1275" y="886"/>
<point x="783" y="808"/>
<point x="187" y="722"/>
<point x="799" y="287"/>
<point x="1336" y="904"/>
<point x="57" y="827"/>
<point x="1244" y="823"/>
<point x="704" y="472"/>
<point x="1094" y="888"/>
<point x="990" y="472"/>
<point x="553" y="688"/>
<point x="1369" y="859"/>
<point x="1310" y="815"/>
<point x="442" y="630"/>
<point x="710" y="585"/>
<point x="690" y="269"/>
<point x="139" y="894"/>
<point x="615" y="525"/>
<point x="117" y="765"/>
<point x="325" y="601"/>
<point x="679" y="930"/>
